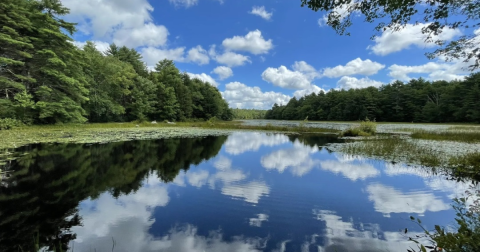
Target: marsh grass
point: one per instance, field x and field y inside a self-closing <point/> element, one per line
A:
<point x="366" y="128"/>
<point x="454" y="135"/>
<point x="398" y="149"/>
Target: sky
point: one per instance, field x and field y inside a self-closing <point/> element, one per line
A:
<point x="261" y="52"/>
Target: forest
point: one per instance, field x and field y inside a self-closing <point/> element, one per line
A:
<point x="418" y="100"/>
<point x="46" y="79"/>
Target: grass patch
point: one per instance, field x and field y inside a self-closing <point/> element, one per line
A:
<point x="366" y="128"/>
<point x="458" y="136"/>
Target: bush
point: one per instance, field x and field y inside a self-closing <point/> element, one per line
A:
<point x="366" y="128"/>
<point x="9" y="123"/>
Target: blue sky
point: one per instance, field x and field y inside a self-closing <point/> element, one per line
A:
<point x="259" y="52"/>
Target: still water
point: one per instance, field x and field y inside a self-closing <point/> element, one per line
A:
<point x="242" y="192"/>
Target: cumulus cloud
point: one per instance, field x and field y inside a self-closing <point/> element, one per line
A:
<point x="435" y="71"/>
<point x="356" y="66"/>
<point x="253" y="43"/>
<point x="240" y="95"/>
<point x="223" y="72"/>
<point x="285" y="78"/>
<point x="388" y="200"/>
<point x="198" y="55"/>
<point x="311" y="89"/>
<point x="101" y="46"/>
<point x="411" y="35"/>
<point x="261" y="12"/>
<point x="147" y="35"/>
<point x="347" y="82"/>
<point x="296" y="159"/>
<point x="184" y="3"/>
<point x="153" y="55"/>
<point x="204" y="77"/>
<point x="240" y="142"/>
<point x="232" y="59"/>
<point x="308" y="70"/>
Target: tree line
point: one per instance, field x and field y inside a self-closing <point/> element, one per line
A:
<point x="248" y="113"/>
<point x="415" y="101"/>
<point x="45" y="78"/>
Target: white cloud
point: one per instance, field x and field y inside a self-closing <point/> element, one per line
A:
<point x="100" y="45"/>
<point x="232" y="59"/>
<point x="184" y="3"/>
<point x="391" y="41"/>
<point x="240" y="142"/>
<point x="240" y="95"/>
<point x="251" y="192"/>
<point x="204" y="77"/>
<point x="261" y="12"/>
<point x="311" y="89"/>
<point x="297" y="159"/>
<point x="198" y="55"/>
<point x="147" y="35"/>
<point x="257" y="222"/>
<point x="152" y="55"/>
<point x="253" y="42"/>
<point x="103" y="17"/>
<point x="347" y="82"/>
<point x="435" y="71"/>
<point x="352" y="171"/>
<point x="223" y="72"/>
<point x="285" y="78"/>
<point x="306" y="69"/>
<point x="356" y="66"/>
<point x="387" y="200"/>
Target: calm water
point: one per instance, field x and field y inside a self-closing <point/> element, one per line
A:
<point x="244" y="192"/>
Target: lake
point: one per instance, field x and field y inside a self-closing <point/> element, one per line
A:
<point x="243" y="192"/>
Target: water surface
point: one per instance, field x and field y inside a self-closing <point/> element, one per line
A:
<point x="243" y="192"/>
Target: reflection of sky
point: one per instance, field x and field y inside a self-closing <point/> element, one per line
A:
<point x="264" y="193"/>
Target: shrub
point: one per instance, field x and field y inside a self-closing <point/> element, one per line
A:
<point x="366" y="128"/>
<point x="9" y="123"/>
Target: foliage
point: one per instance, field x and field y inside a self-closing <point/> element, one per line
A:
<point x="366" y="128"/>
<point x="9" y="123"/>
<point x="248" y="113"/>
<point x="465" y="237"/>
<point x="416" y="101"/>
<point x="46" y="79"/>
<point x="436" y="16"/>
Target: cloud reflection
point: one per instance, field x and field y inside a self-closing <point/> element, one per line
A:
<point x="257" y="222"/>
<point x="297" y="159"/>
<point x="348" y="236"/>
<point x="387" y="200"/>
<point x="240" y="142"/>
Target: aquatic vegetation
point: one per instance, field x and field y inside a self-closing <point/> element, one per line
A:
<point x="366" y="128"/>
<point x="460" y="136"/>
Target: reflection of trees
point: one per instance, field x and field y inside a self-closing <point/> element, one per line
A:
<point x="313" y="140"/>
<point x="38" y="204"/>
